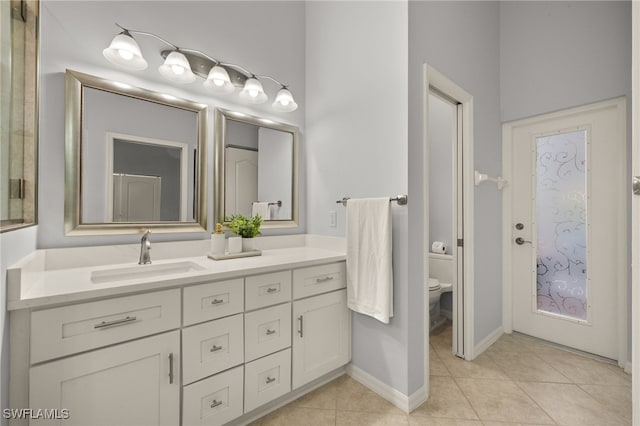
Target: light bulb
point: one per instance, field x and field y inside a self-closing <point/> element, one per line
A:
<point x="218" y="80"/>
<point x="125" y="52"/>
<point x="176" y="68"/>
<point x="284" y="101"/>
<point x="253" y="91"/>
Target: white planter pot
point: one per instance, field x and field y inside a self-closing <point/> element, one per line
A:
<point x="248" y="244"/>
<point x="234" y="244"/>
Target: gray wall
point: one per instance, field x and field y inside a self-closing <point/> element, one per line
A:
<point x="440" y="128"/>
<point x="357" y="146"/>
<point x="556" y="55"/>
<point x="14" y="245"/>
<point x="275" y="171"/>
<point x="73" y="35"/>
<point x="461" y="40"/>
<point x="241" y="134"/>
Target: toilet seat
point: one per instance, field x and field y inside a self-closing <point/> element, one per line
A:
<point x="434" y="284"/>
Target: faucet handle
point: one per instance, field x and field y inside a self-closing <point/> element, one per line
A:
<point x="146" y="232"/>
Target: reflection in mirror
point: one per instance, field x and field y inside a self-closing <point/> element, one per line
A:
<point x="260" y="169"/>
<point x="136" y="159"/>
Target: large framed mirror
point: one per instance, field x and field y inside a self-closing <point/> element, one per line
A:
<point x="256" y="163"/>
<point x="134" y="158"/>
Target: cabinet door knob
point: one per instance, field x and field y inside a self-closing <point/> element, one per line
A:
<point x="215" y="348"/>
<point x="271" y="380"/>
<point x="324" y="279"/>
<point x="271" y="290"/>
<point x="217" y="301"/>
<point x="270" y="332"/>
<point x="215" y="403"/>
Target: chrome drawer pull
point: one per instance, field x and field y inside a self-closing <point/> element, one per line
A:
<point x="324" y="279"/>
<point x="215" y="403"/>
<point x="217" y="301"/>
<point x="215" y="348"/>
<point x="120" y="321"/>
<point x="270" y="332"/>
<point x="271" y="290"/>
<point x="271" y="380"/>
<point x="171" y="368"/>
<point x="301" y="324"/>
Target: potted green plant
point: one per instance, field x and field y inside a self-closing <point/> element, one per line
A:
<point x="247" y="228"/>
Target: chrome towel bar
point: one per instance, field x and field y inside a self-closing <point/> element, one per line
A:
<point x="401" y="199"/>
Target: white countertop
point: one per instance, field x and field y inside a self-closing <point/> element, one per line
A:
<point x="32" y="283"/>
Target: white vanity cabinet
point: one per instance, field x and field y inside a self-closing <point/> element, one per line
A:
<point x="201" y="353"/>
<point x="135" y="383"/>
<point x="321" y="338"/>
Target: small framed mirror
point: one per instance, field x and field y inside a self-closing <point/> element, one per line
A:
<point x="134" y="159"/>
<point x="256" y="163"/>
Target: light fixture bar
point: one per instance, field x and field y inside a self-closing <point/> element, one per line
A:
<point x="199" y="64"/>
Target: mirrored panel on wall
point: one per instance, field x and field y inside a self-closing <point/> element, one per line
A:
<point x="257" y="168"/>
<point x="135" y="159"/>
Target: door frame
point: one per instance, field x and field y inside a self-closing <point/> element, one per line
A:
<point x="635" y="212"/>
<point x="433" y="79"/>
<point x="507" y="219"/>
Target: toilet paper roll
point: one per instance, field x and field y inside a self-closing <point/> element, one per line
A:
<point x="438" y="247"/>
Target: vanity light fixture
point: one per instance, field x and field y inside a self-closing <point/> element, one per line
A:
<point x="182" y="65"/>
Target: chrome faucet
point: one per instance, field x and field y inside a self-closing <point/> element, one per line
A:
<point x="145" y="246"/>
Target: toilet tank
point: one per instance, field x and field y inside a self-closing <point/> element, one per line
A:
<point x="441" y="267"/>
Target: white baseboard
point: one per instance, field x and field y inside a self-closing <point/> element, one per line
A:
<point x="628" y="368"/>
<point x="394" y="396"/>
<point x="488" y="341"/>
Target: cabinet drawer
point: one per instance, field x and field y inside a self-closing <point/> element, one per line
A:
<point x="266" y="290"/>
<point x="267" y="330"/>
<point x="213" y="401"/>
<point x="205" y="302"/>
<point x="319" y="279"/>
<point x="266" y="379"/>
<point x="70" y="329"/>
<point x="212" y="347"/>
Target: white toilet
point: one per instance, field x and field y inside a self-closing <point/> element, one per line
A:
<point x="440" y="278"/>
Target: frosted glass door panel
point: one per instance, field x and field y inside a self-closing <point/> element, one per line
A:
<point x="561" y="215"/>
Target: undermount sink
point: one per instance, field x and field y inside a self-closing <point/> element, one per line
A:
<point x="143" y="271"/>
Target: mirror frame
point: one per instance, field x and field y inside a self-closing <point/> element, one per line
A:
<point x="75" y="82"/>
<point x="221" y="117"/>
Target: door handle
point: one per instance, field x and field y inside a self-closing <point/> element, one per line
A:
<point x="300" y="326"/>
<point x="520" y="241"/>
<point x="171" y="368"/>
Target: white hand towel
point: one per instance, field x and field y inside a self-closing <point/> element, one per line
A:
<point x="369" y="258"/>
<point x="261" y="209"/>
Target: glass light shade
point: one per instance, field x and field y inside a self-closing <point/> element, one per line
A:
<point x="176" y="68"/>
<point x="218" y="80"/>
<point x="125" y="52"/>
<point x="253" y="92"/>
<point x="284" y="101"/>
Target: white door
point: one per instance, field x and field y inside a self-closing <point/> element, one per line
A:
<point x="241" y="180"/>
<point x="565" y="210"/>
<point x="135" y="383"/>
<point x="136" y="198"/>
<point x="321" y="336"/>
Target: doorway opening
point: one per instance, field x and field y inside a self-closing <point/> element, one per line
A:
<point x="448" y="251"/>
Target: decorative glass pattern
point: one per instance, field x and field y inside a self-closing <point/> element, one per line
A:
<point x="561" y="213"/>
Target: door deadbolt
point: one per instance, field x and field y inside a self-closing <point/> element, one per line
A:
<point x="520" y="241"/>
<point x="519" y="226"/>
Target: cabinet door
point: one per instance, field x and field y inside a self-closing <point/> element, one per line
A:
<point x="321" y="336"/>
<point x="135" y="383"/>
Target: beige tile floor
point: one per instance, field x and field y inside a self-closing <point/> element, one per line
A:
<point x="517" y="381"/>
